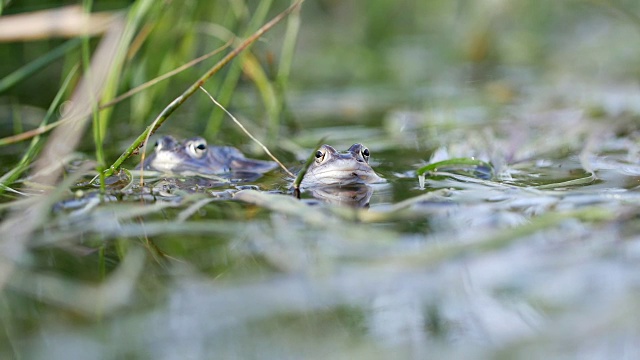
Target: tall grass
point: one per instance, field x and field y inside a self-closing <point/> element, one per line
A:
<point x="36" y="142"/>
<point x="101" y="76"/>
<point x="143" y="14"/>
<point x="142" y="139"/>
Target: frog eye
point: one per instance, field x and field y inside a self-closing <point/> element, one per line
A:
<point x="320" y="155"/>
<point x="197" y="148"/>
<point x="365" y="153"/>
<point x="159" y="144"/>
<point x="165" y="143"/>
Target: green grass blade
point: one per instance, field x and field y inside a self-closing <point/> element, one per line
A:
<point x="454" y="163"/>
<point x="134" y="17"/>
<point x="284" y="69"/>
<point x="35" y="145"/>
<point x="97" y="136"/>
<point x="305" y="167"/>
<point x="29" y="69"/>
<point x="570" y="183"/>
<point x="288" y="49"/>
<point x="267" y="92"/>
<point x="231" y="80"/>
<point x="169" y="109"/>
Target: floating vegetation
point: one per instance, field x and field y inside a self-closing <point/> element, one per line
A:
<point x="477" y="168"/>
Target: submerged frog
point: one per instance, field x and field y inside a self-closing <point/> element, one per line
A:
<point x="193" y="156"/>
<point x="341" y="168"/>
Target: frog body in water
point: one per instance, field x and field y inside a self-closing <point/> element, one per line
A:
<point x="336" y="177"/>
<point x="334" y="168"/>
<point x="193" y="156"/>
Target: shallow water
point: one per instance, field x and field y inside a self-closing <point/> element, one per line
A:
<point x="538" y="258"/>
<point x="245" y="270"/>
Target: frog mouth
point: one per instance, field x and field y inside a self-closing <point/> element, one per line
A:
<point x="345" y="176"/>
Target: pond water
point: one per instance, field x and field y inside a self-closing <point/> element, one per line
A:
<point x="463" y="265"/>
<point x="533" y="253"/>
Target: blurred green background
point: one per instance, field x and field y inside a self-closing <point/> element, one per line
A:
<point x="374" y="55"/>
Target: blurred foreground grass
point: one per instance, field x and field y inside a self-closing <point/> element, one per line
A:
<point x="538" y="260"/>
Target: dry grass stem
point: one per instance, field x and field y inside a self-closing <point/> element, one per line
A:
<point x="65" y="22"/>
<point x="266" y="150"/>
<point x="165" y="76"/>
<point x="19" y="225"/>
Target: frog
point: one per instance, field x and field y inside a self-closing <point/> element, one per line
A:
<point x="334" y="168"/>
<point x="194" y="156"/>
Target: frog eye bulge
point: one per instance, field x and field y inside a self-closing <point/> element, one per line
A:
<point x="365" y="154"/>
<point x="197" y="148"/>
<point x="161" y="144"/>
<point x="320" y="155"/>
<point x="165" y="143"/>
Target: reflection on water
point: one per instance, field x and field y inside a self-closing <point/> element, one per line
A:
<point x="357" y="196"/>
